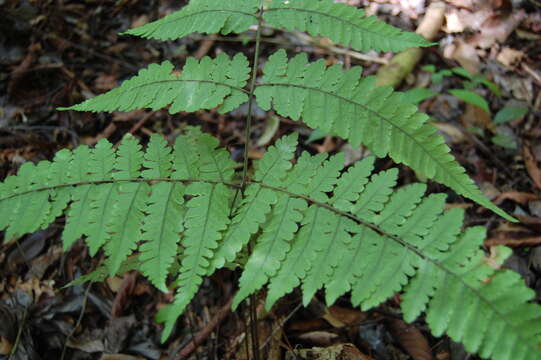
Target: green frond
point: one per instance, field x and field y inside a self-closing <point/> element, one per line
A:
<point x="341" y="23"/>
<point x="101" y="165"/>
<point x="313" y="225"/>
<point x="158" y="159"/>
<point x="203" y="84"/>
<point x="78" y="215"/>
<point x="162" y="228"/>
<point x="271" y="246"/>
<point x="325" y="267"/>
<point x="355" y="109"/>
<point x="202" y="16"/>
<point x="126" y="223"/>
<point x="206" y="218"/>
<point x="29" y="210"/>
<point x="58" y="174"/>
<point x="102" y="272"/>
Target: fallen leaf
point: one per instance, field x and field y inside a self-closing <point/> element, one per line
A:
<point x="509" y="241"/>
<point x="105" y="82"/>
<point x="464" y="53"/>
<point x="510" y="57"/>
<point x="411" y="339"/>
<point x="497" y="29"/>
<point x="455" y="133"/>
<point x="531" y="165"/>
<point x="318" y="337"/>
<point x="336" y="352"/>
<point x="339" y="316"/>
<point x="516" y="196"/>
<point x="475" y="116"/>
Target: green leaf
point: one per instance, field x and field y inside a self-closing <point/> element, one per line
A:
<point x="418" y="95"/>
<point x="341" y="23"/>
<point x="161" y="231"/>
<point x="202" y="16"/>
<point x="505" y="141"/>
<point x="203" y="84"/>
<point x="206" y="218"/>
<point x="355" y="109"/>
<point x="510" y="113"/>
<point x="471" y="98"/>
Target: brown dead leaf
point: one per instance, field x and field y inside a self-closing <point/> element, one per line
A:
<point x="475" y="116"/>
<point x="508" y="240"/>
<point x="319" y="337"/>
<point x="120" y="357"/>
<point x="339" y="316"/>
<point x="497" y="29"/>
<point x="455" y="134"/>
<point x="464" y="53"/>
<point x="335" y="352"/>
<point x="411" y="339"/>
<point x="139" y="21"/>
<point x="105" y="82"/>
<point x="516" y="196"/>
<point x="124" y="294"/>
<point x="509" y="57"/>
<point x="532" y="165"/>
<point x="467" y="4"/>
<point x="327" y="146"/>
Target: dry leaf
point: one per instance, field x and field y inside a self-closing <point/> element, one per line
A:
<point x="510" y="57"/>
<point x="531" y="165"/>
<point x="497" y="28"/>
<point x="411" y="339"/>
<point x="517" y="196"/>
<point x="455" y="133"/>
<point x="475" y="116"/>
<point x="464" y="53"/>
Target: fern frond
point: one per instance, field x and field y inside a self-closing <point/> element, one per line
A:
<point x="206" y="218"/>
<point x="311" y="225"/>
<point x="203" y="84"/>
<point x="341" y="23"/>
<point x="202" y="16"/>
<point x="79" y="213"/>
<point x="28" y="211"/>
<point x="355" y="109"/>
<point x="257" y="201"/>
<point x="281" y="223"/>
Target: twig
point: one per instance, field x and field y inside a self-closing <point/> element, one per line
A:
<point x="205" y="333"/>
<point x="192" y="331"/>
<point x="286" y="319"/>
<point x="19" y="335"/>
<point x="341" y="51"/>
<point x="529" y="241"/>
<point x="253" y="326"/>
<point x="78" y="323"/>
<point x="141" y="122"/>
<point x="534" y="74"/>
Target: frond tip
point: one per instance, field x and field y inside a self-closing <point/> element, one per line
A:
<point x="311" y="224"/>
<point x="202" y="16"/>
<point x="341" y="103"/>
<point x="341" y="23"/>
<point x="203" y="84"/>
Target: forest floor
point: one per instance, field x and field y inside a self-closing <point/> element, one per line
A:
<point x="58" y="53"/>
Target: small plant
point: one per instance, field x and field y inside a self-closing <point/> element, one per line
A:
<point x="312" y="224"/>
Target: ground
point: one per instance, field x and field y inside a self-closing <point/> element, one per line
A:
<point x="480" y="84"/>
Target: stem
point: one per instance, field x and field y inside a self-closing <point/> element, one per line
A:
<point x="253" y="327"/>
<point x="253" y="312"/>
<point x="251" y="97"/>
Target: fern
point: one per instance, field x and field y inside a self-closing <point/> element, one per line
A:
<point x="179" y="214"/>
<point x="341" y="231"/>
<point x="327" y="98"/>
<point x="203" y="84"/>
